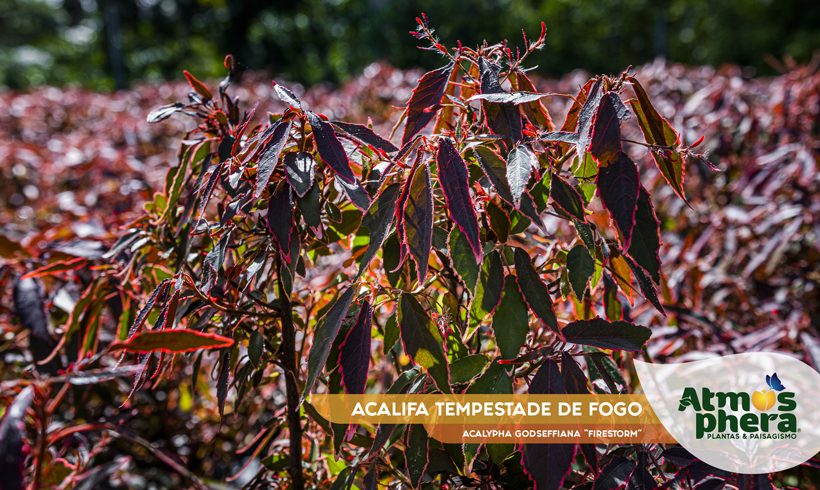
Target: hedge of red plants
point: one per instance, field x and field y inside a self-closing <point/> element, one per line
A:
<point x="86" y="197"/>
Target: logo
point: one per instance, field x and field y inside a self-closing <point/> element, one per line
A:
<point x="729" y="415"/>
<point x="747" y="413"/>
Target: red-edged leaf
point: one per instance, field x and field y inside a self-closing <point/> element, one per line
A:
<point x="222" y="382"/>
<point x="619" y="185"/>
<point x="547" y="464"/>
<point x="567" y="198"/>
<point x="646" y="238"/>
<point x="462" y="258"/>
<point x="330" y="148"/>
<point x="489" y="288"/>
<point x="300" y="169"/>
<point x="534" y="290"/>
<point x="172" y="341"/>
<point x="612" y="305"/>
<point x="356" y="193"/>
<point x="452" y="175"/>
<point x="606" y="131"/>
<point x="27" y="298"/>
<point x="423" y="341"/>
<point x="164" y="112"/>
<point x="199" y="87"/>
<point x="269" y="156"/>
<point x="580" y="268"/>
<point x="586" y="116"/>
<point x="607" y="335"/>
<point x="417" y="453"/>
<point x="520" y="162"/>
<point x="354" y="353"/>
<point x="496" y="170"/>
<point x="366" y="136"/>
<point x="535" y="111"/>
<point x="615" y="474"/>
<point x="645" y="284"/>
<point x="287" y="96"/>
<point x="511" y="320"/>
<point x="427" y="93"/>
<point x="499" y="221"/>
<point x="503" y="119"/>
<point x="418" y="219"/>
<point x="641" y="478"/>
<point x="377" y="220"/>
<point x="657" y="131"/>
<point x="280" y="217"/>
<point x="12" y="441"/>
<point x="323" y="337"/>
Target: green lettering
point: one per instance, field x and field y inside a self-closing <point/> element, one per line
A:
<point x="735" y="400"/>
<point x="786" y="402"/>
<point x="704" y="422"/>
<point x="788" y="423"/>
<point x="748" y="422"/>
<point x="723" y="419"/>
<point x="707" y="399"/>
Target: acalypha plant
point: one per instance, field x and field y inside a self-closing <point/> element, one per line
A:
<point x="290" y="254"/>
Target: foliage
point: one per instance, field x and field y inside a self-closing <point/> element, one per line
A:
<point x="313" y="41"/>
<point x="252" y="260"/>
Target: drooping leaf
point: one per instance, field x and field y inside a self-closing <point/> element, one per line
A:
<point x="269" y="156"/>
<point x="641" y="478"/>
<point x="463" y="259"/>
<point x="256" y="346"/>
<point x="280" y="218"/>
<point x="416" y="453"/>
<point x="547" y="464"/>
<point x="645" y="284"/>
<point x="164" y="112"/>
<point x="354" y="353"/>
<point x="287" y="96"/>
<point x="423" y="341"/>
<point x="607" y="335"/>
<point x="452" y="174"/>
<point x="586" y="116"/>
<point x="580" y="267"/>
<point x="504" y="119"/>
<point x="510" y="320"/>
<point x="489" y="288"/>
<point x="567" y="198"/>
<point x="615" y="474"/>
<point x="330" y="148"/>
<point x="213" y="262"/>
<point x="427" y="93"/>
<point x="172" y="341"/>
<point x="377" y="220"/>
<point x="519" y="165"/>
<point x="356" y="193"/>
<point x="466" y="368"/>
<point x="606" y="131"/>
<point x="366" y="136"/>
<point x="418" y="219"/>
<point x="612" y="305"/>
<point x="300" y="169"/>
<point x="657" y="131"/>
<point x="325" y="333"/>
<point x="499" y="221"/>
<point x="496" y="170"/>
<point x="391" y="334"/>
<point x="534" y="290"/>
<point x="619" y="185"/>
<point x="29" y="307"/>
<point x="646" y="238"/>
<point x="371" y="478"/>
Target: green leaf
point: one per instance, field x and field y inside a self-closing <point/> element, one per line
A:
<point x="495" y="381"/>
<point x="423" y="341"/>
<point x="511" y="320"/>
<point x="391" y="334"/>
<point x="461" y="253"/>
<point x="534" y="290"/>
<point x="607" y="335"/>
<point x="580" y="267"/>
<point x="416" y="453"/>
<point x="499" y="221"/>
<point x="418" y="219"/>
<point x="488" y="291"/>
<point x="325" y="333"/>
<point x="646" y="238"/>
<point x="255" y="348"/>
<point x="464" y="369"/>
<point x="585" y="233"/>
<point x="172" y="341"/>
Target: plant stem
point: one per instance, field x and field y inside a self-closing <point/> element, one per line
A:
<point x="291" y="373"/>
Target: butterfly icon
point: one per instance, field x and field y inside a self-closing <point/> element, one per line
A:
<point x="774" y="382"/>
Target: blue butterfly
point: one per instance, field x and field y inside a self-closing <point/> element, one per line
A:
<point x="774" y="382"/>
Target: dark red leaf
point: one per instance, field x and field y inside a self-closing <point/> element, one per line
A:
<point x="12" y="432"/>
<point x="280" y="217"/>
<point x="164" y="112"/>
<point x="222" y="382"/>
<point x="423" y="341"/>
<point x="356" y="193"/>
<point x="646" y="238"/>
<point x="300" y="169"/>
<point x="199" y="87"/>
<point x="547" y="464"/>
<point x="586" y="115"/>
<point x="606" y="131"/>
<point x="567" y="198"/>
<point x="428" y="93"/>
<point x="354" y="353"/>
<point x="641" y="479"/>
<point x="287" y="96"/>
<point x="534" y="290"/>
<point x="452" y="175"/>
<point x="366" y="136"/>
<point x="607" y="335"/>
<point x="269" y="156"/>
<point x="418" y="219"/>
<point x="575" y="383"/>
<point x="496" y="170"/>
<point x="645" y="284"/>
<point x="330" y="148"/>
<point x="377" y="220"/>
<point x="172" y="341"/>
<point x="615" y="474"/>
<point x="503" y="119"/>
<point x="619" y="185"/>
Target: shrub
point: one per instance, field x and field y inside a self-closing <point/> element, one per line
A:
<point x="272" y="243"/>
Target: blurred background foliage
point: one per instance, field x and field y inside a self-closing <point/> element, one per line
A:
<point x="112" y="43"/>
